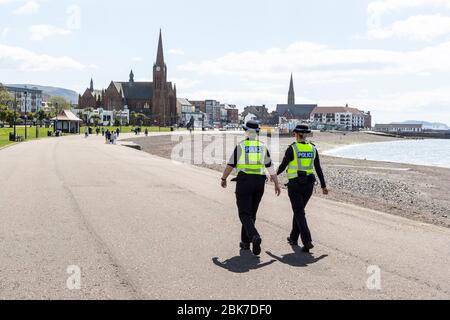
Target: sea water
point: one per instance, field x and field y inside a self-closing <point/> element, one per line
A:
<point x="427" y="152"/>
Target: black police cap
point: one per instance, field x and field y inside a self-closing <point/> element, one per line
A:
<point x="252" y="125"/>
<point x="302" y="129"/>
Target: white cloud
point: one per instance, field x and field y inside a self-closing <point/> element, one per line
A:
<point x="16" y="58"/>
<point x="42" y="31"/>
<point x="185" y="83"/>
<point x="428" y="105"/>
<point x="313" y="63"/>
<point x="176" y="52"/>
<point x="4" y="2"/>
<point x="417" y="27"/>
<point x="420" y="27"/>
<point x="378" y="8"/>
<point x="30" y="7"/>
<point x="4" y="32"/>
<point x="320" y="63"/>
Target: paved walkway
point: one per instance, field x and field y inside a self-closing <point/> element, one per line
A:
<point x="141" y="227"/>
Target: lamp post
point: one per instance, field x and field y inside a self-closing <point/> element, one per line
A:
<point x="15" y="113"/>
<point x="26" y="116"/>
<point x="36" y="117"/>
<point x="56" y="122"/>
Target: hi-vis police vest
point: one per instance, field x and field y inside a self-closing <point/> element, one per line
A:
<point x="304" y="156"/>
<point x="252" y="160"/>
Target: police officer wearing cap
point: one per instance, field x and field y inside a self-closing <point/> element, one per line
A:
<point x="302" y="162"/>
<point x="250" y="159"/>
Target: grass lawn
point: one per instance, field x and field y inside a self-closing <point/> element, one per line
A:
<point x="130" y="128"/>
<point x="42" y="133"/>
<point x="4" y="134"/>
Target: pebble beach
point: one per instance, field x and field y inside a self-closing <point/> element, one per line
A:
<point x="411" y="191"/>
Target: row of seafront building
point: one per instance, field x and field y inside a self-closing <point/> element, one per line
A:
<point x="216" y="114"/>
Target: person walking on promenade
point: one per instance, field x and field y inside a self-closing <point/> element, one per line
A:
<point x="302" y="162"/>
<point x="250" y="159"/>
<point x="103" y="132"/>
<point x="114" y="138"/>
<point x="118" y="132"/>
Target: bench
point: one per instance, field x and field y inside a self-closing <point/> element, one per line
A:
<point x="15" y="138"/>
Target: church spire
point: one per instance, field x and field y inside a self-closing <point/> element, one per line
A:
<point x="131" y="76"/>
<point x="91" y="87"/>
<point x="291" y="95"/>
<point x="160" y="56"/>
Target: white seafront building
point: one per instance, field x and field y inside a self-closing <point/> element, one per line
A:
<point x="344" y="117"/>
<point x="106" y="117"/>
<point x="26" y="98"/>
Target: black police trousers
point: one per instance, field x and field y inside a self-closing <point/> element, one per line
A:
<point x="249" y="193"/>
<point x="300" y="194"/>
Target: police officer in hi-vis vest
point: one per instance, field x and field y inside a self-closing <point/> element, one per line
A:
<point x="302" y="161"/>
<point x="251" y="158"/>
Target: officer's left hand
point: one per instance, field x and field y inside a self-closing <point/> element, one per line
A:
<point x="224" y="184"/>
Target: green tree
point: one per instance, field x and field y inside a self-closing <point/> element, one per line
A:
<point x="11" y="116"/>
<point x="58" y="104"/>
<point x="5" y="97"/>
<point x="3" y="113"/>
<point x="96" y="118"/>
<point x="41" y="115"/>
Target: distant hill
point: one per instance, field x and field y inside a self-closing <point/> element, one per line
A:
<point x="429" y="125"/>
<point x="67" y="94"/>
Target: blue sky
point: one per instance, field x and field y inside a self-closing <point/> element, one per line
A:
<point x="387" y="56"/>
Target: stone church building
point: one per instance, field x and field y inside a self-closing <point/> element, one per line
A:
<point x="157" y="99"/>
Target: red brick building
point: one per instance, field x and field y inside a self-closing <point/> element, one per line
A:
<point x="233" y="115"/>
<point x="157" y="99"/>
<point x="91" y="98"/>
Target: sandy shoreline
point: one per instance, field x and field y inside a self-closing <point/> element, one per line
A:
<point x="415" y="192"/>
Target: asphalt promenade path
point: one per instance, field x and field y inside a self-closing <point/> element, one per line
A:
<point x="142" y="227"/>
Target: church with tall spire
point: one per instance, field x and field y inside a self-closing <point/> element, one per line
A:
<point x="156" y="99"/>
<point x="291" y="94"/>
<point x="291" y="110"/>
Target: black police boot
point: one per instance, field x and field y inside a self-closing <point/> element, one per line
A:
<point x="292" y="242"/>
<point x="307" y="248"/>
<point x="245" y="246"/>
<point x="256" y="245"/>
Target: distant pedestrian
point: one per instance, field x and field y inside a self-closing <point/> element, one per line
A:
<point x="114" y="138"/>
<point x="97" y="130"/>
<point x="103" y="132"/>
<point x="108" y="136"/>
<point x="118" y="132"/>
<point x="146" y="132"/>
<point x="86" y="132"/>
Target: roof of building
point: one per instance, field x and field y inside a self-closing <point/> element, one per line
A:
<point x="135" y="90"/>
<point x="97" y="94"/>
<point x="184" y="102"/>
<point x="67" y="115"/>
<point x="296" y="110"/>
<point x="22" y="89"/>
<point x="337" y="110"/>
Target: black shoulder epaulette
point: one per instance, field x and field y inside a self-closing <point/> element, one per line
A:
<point x="312" y="144"/>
